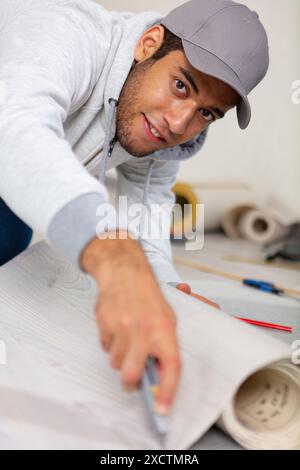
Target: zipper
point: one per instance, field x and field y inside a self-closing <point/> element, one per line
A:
<point x="93" y="155"/>
<point x="111" y="146"/>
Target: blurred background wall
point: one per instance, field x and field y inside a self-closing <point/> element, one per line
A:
<point x="266" y="156"/>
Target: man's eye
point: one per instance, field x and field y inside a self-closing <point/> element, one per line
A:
<point x="208" y="116"/>
<point x="181" y="83"/>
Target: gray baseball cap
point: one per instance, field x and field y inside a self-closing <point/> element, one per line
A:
<point x="226" y="40"/>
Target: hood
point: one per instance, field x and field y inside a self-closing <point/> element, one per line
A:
<point x="179" y="152"/>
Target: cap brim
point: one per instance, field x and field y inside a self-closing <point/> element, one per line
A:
<point x="208" y="63"/>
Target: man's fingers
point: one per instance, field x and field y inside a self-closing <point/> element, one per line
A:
<point x="133" y="366"/>
<point x="169" y="372"/>
<point x="118" y="351"/>
<point x="184" y="287"/>
<point x="106" y="338"/>
<point x="106" y="341"/>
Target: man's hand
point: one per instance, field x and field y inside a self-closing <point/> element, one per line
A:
<point x="134" y="319"/>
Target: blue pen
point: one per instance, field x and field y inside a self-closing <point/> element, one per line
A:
<point x="150" y="384"/>
<point x="264" y="286"/>
<point x="268" y="287"/>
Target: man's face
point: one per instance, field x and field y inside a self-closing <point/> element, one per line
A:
<point x="161" y="94"/>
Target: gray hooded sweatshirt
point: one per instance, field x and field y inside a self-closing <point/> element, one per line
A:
<point x="62" y="67"/>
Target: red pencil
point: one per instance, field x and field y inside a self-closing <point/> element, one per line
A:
<point x="289" y="329"/>
<point x="263" y="324"/>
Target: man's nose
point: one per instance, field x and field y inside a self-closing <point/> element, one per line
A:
<point x="179" y="119"/>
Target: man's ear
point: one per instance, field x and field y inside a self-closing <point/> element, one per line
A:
<point x="149" y="42"/>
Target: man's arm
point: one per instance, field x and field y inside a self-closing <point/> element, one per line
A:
<point x="47" y="67"/>
<point x="133" y="317"/>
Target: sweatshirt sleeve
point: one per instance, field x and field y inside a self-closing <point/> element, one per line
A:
<point x="47" y="67"/>
<point x="160" y="200"/>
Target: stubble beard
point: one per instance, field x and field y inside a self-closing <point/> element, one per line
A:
<point x="127" y="110"/>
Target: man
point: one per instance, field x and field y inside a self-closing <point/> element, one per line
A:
<point x="85" y="89"/>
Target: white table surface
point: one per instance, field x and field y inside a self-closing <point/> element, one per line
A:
<point x="216" y="247"/>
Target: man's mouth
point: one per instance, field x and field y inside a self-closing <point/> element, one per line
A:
<point x="151" y="132"/>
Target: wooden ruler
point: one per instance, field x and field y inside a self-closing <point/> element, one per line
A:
<point x="205" y="268"/>
<point x="290" y="265"/>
